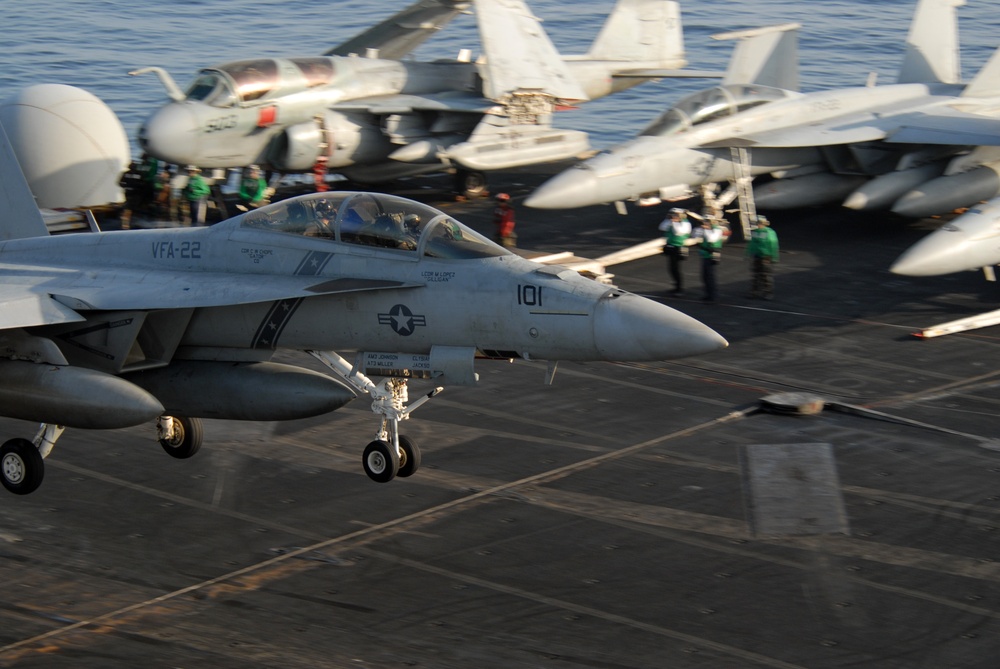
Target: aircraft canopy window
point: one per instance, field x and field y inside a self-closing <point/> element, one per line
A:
<point x="317" y="71"/>
<point x="709" y="105"/>
<point x="211" y="88"/>
<point x="253" y="78"/>
<point x="375" y="220"/>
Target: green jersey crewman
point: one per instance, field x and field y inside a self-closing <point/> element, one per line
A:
<point x="763" y="253"/>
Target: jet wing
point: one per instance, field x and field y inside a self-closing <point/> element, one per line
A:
<point x="57" y="299"/>
<point x="668" y="74"/>
<point x="405" y="104"/>
<point x="519" y="55"/>
<point x="21" y="309"/>
<point x="954" y="128"/>
<point x="800" y="136"/>
<point x="404" y="31"/>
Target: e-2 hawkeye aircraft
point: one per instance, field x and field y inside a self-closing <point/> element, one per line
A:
<point x="113" y="329"/>
<point x="871" y="147"/>
<point x="374" y="118"/>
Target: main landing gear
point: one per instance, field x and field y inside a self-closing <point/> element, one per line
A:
<point x="22" y="462"/>
<point x="22" y="465"/>
<point x="391" y="454"/>
<point x="179" y="436"/>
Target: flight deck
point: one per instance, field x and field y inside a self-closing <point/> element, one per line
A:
<point x="627" y="516"/>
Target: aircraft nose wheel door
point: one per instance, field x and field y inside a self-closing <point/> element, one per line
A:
<point x="391" y="454"/>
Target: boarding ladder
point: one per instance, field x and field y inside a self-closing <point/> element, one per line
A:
<point x="744" y="191"/>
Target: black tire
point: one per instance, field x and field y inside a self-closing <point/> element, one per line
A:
<point x="381" y="461"/>
<point x="471" y="183"/>
<point x="409" y="461"/>
<point x="188" y="435"/>
<point x="21" y="466"/>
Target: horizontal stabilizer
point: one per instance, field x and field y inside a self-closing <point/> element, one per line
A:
<point x="987" y="82"/>
<point x="519" y="55"/>
<point x="404" y="31"/>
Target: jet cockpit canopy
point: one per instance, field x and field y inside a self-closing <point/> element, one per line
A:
<point x="374" y="220"/>
<point x="711" y="104"/>
<point x="247" y="81"/>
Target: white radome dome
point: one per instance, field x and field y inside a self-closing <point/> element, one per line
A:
<point x="71" y="146"/>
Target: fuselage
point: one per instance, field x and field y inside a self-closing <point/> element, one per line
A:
<point x="289" y="111"/>
<point x="372" y="285"/>
<point x="691" y="144"/>
<point x="969" y="242"/>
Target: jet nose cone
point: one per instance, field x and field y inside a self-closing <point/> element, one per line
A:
<point x="632" y="328"/>
<point x="171" y="134"/>
<point x="942" y="252"/>
<point x="576" y="187"/>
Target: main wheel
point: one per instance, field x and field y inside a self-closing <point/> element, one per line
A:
<point x="470" y="183"/>
<point x="186" y="439"/>
<point x="409" y="461"/>
<point x="21" y="466"/>
<point x="381" y="462"/>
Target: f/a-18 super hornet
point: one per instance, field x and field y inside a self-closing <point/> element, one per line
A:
<point x="870" y="145"/>
<point x="373" y="118"/>
<point x="968" y="242"/>
<point x="114" y="329"/>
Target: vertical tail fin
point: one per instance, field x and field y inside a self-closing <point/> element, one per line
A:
<point x="19" y="215"/>
<point x="766" y="56"/>
<point x="642" y="31"/>
<point x="518" y="53"/>
<point x="932" y="45"/>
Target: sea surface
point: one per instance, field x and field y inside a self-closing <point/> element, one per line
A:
<point x="93" y="44"/>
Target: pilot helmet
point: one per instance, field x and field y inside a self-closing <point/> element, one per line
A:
<point x="325" y="209"/>
<point x="503" y="197"/>
<point x="411" y="222"/>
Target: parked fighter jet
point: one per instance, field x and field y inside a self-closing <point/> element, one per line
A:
<point x="112" y="329"/>
<point x="373" y="119"/>
<point x="969" y="242"/>
<point x="825" y="145"/>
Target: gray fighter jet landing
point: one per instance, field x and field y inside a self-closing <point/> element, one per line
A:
<point x="113" y="329"/>
<point x="374" y="118"/>
<point x="826" y="146"/>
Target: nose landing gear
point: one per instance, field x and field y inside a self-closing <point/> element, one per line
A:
<point x="391" y="454"/>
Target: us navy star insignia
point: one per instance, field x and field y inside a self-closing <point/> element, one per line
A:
<point x="402" y="321"/>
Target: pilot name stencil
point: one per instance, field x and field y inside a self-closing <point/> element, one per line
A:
<point x="256" y="254"/>
<point x="437" y="276"/>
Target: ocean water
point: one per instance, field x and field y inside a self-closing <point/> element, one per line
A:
<point x="93" y="44"/>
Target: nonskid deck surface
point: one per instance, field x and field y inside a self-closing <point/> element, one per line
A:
<point x="627" y="516"/>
